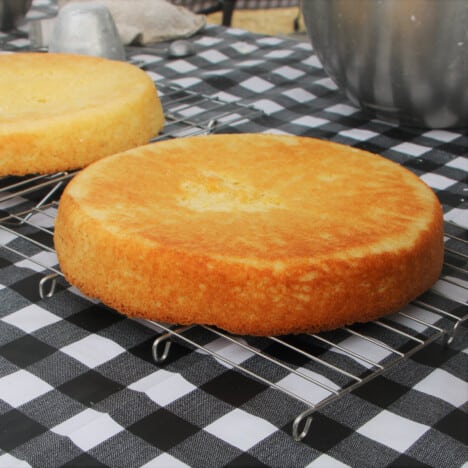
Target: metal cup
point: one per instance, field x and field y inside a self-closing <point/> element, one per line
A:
<point x="86" y="29"/>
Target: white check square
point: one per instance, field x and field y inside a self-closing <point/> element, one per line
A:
<point x="393" y="431"/>
<point x="359" y="134"/>
<point x="267" y="106"/>
<point x="164" y="461"/>
<point x="226" y="97"/>
<point x="325" y="461"/>
<point x="411" y="149"/>
<point x="9" y="461"/>
<point x="244" y="47"/>
<point x="6" y="237"/>
<point x="163" y="387"/>
<point x="458" y="216"/>
<point x="342" y="109"/>
<point x="437" y="181"/>
<point x="256" y="84"/>
<point x="146" y="59"/>
<point x="249" y="63"/>
<point x="371" y="353"/>
<point x="230" y="351"/>
<point x="88" y="428"/>
<point x="458" y="292"/>
<point x="270" y="40"/>
<point x="313" y="61"/>
<point x="20" y="42"/>
<point x="181" y="66"/>
<point x="155" y="77"/>
<point x="93" y="350"/>
<point x="21" y="387"/>
<point x="299" y="95"/>
<point x="327" y="83"/>
<point x="39" y="262"/>
<point x="9" y="202"/>
<point x="31" y="318"/>
<point x="445" y="386"/>
<point x="241" y="429"/>
<point x="459" y="163"/>
<point x="310" y="121"/>
<point x="208" y="41"/>
<point x="279" y="54"/>
<point x="441" y="135"/>
<point x="44" y="218"/>
<point x="186" y="82"/>
<point x="212" y="56"/>
<point x="218" y="72"/>
<point x="419" y="314"/>
<point x="289" y="72"/>
<point x="311" y="387"/>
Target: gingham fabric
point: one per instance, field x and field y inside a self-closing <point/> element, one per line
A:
<point x="198" y="5"/>
<point x="265" y="4"/>
<point x="79" y="387"/>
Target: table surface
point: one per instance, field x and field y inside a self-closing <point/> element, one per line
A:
<point x="79" y="387"/>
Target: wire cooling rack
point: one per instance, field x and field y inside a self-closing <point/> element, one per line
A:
<point x="315" y="369"/>
<point x="189" y="113"/>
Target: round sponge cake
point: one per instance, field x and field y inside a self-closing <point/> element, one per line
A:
<point x="255" y="234"/>
<point x="61" y="112"/>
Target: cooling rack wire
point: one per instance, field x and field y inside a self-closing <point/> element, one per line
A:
<point x="332" y="364"/>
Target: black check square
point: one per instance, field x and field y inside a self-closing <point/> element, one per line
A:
<point x="16" y="429"/>
<point x="381" y="391"/>
<point x="43" y="238"/>
<point x="84" y="461"/>
<point x="233" y="388"/>
<point x="26" y="350"/>
<point x="29" y="287"/>
<point x="434" y="355"/>
<point x="245" y="461"/>
<point x="90" y="388"/>
<point x="403" y="461"/>
<point x="144" y="351"/>
<point x="4" y="263"/>
<point x="324" y="433"/>
<point x="289" y="356"/>
<point x="455" y="425"/>
<point x="95" y="318"/>
<point x="11" y="301"/>
<point x="163" y="429"/>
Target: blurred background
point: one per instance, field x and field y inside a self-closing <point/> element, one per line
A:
<point x="275" y="17"/>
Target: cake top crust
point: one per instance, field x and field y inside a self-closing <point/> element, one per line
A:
<point x="37" y="87"/>
<point x="257" y="199"/>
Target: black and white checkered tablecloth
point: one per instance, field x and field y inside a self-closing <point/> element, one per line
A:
<point x="199" y="5"/>
<point x="78" y="385"/>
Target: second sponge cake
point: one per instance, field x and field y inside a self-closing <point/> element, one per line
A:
<point x="60" y="112"/>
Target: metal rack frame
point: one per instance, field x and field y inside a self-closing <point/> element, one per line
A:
<point x="397" y="337"/>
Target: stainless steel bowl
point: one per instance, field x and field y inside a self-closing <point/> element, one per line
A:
<point x="400" y="60"/>
<point x="12" y="12"/>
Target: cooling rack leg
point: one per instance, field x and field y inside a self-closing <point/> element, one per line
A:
<point x="47" y="285"/>
<point x="450" y="335"/>
<point x="305" y="420"/>
<point x="158" y="355"/>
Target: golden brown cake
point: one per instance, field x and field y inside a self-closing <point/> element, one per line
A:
<point x="256" y="234"/>
<point x="61" y="112"/>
